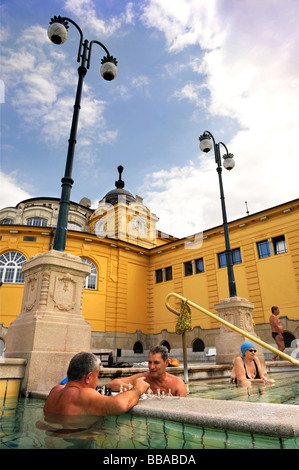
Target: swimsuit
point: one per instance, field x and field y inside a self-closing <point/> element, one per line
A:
<point x="234" y="380"/>
<point x="274" y="335"/>
<point x="257" y="375"/>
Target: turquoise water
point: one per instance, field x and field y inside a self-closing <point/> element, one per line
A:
<point x="20" y="431"/>
<point x="22" y="426"/>
<point x="284" y="391"/>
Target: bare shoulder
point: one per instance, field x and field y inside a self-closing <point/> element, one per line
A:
<point x="174" y="378"/>
<point x="176" y="384"/>
<point x="56" y="389"/>
<point x="238" y="360"/>
<point x="238" y="364"/>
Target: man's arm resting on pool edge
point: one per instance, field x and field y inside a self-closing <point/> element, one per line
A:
<point x="116" y="383"/>
<point x="118" y="404"/>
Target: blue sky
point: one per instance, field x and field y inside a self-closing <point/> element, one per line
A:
<point x="184" y="66"/>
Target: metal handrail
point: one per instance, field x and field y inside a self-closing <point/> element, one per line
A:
<point x="230" y="325"/>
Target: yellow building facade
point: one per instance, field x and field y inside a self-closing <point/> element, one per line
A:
<point x="134" y="267"/>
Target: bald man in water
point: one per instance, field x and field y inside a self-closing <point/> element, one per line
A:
<point x="80" y="397"/>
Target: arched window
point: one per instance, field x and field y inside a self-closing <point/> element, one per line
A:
<point x="166" y="344"/>
<point x="288" y="338"/>
<point x="138" y="348"/>
<point x="11" y="267"/>
<point x="91" y="280"/>
<point x="198" y="345"/>
<point x="37" y="222"/>
<point x="6" y="222"/>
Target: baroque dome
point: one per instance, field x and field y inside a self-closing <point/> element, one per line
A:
<point x="119" y="194"/>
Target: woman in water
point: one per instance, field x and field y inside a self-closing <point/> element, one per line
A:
<point x="247" y="369"/>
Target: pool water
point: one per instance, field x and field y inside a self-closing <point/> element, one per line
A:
<point x="284" y="391"/>
<point x="20" y="429"/>
<point x="22" y="424"/>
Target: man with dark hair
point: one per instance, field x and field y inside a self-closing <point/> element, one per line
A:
<point x="80" y="397"/>
<point x="277" y="330"/>
<point x="156" y="377"/>
<point x="160" y="349"/>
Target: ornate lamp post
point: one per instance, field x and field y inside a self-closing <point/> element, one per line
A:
<point x="228" y="163"/>
<point x="57" y="33"/>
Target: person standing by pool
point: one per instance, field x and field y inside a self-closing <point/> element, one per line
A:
<point x="156" y="377"/>
<point x="80" y="397"/>
<point x="247" y="369"/>
<point x="277" y="331"/>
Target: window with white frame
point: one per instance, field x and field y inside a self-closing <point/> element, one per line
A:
<point x="164" y="274"/>
<point x="6" y="222"/>
<point x="194" y="266"/>
<point x="272" y="246"/>
<point x="11" y="267"/>
<point x="280" y="245"/>
<point x="91" y="280"/>
<point x="37" y="222"/>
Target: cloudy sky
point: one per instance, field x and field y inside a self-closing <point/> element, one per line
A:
<point x="184" y="66"/>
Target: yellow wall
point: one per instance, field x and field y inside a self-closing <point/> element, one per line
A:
<point x="162" y="318"/>
<point x="127" y="296"/>
<point x="11" y="294"/>
<point x="265" y="282"/>
<point x="277" y="286"/>
<point x="195" y="288"/>
<point x="137" y="297"/>
<point x="10" y="302"/>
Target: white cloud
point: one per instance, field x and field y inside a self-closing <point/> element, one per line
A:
<point x="87" y="11"/>
<point x="11" y="192"/>
<point x="181" y="197"/>
<point x="194" y="93"/>
<point x="140" y="81"/>
<point x="250" y="70"/>
<point x="184" y="22"/>
<point x="45" y="99"/>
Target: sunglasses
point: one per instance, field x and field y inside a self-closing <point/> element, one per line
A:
<point x="252" y="350"/>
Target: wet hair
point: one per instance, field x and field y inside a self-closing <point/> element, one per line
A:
<point x="273" y="308"/>
<point x="81" y="364"/>
<point x="160" y="350"/>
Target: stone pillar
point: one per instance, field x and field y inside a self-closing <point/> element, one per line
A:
<point x="238" y="311"/>
<point x="50" y="328"/>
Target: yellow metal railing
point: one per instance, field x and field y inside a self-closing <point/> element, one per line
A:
<point x="230" y="325"/>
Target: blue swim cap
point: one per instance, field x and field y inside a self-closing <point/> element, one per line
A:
<point x="246" y="346"/>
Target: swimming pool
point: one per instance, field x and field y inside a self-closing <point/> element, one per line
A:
<point x="284" y="391"/>
<point x="22" y="424"/>
<point x="21" y="428"/>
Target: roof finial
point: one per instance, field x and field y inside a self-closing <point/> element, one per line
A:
<point x="120" y="183"/>
<point x="247" y="211"/>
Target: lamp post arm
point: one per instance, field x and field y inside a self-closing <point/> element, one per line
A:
<point x="90" y="47"/>
<point x="81" y="35"/>
<point x="221" y="143"/>
<point x="211" y="135"/>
